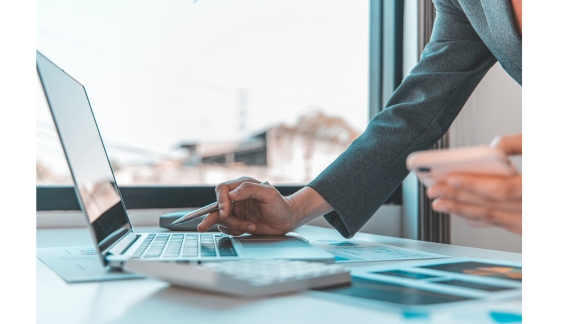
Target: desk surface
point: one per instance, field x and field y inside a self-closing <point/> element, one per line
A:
<point x="146" y="300"/>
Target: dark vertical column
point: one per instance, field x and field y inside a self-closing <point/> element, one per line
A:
<point x="392" y="49"/>
<point x="433" y="226"/>
<point x="386" y="52"/>
<point x="375" y="59"/>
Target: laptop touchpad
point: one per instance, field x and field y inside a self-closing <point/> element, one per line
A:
<point x="272" y="242"/>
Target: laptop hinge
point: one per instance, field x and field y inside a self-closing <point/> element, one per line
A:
<point x="122" y="245"/>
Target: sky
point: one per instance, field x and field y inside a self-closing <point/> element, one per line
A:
<point x="159" y="73"/>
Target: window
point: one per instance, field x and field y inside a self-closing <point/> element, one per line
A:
<point x="196" y="93"/>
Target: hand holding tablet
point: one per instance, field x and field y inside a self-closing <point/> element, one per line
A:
<point x="476" y="183"/>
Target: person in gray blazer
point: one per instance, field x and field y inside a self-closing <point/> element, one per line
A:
<point x="469" y="37"/>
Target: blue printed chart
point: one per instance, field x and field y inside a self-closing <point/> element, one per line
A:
<point x="358" y="250"/>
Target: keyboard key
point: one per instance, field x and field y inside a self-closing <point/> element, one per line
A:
<point x="142" y="248"/>
<point x="226" y="247"/>
<point x="157" y="246"/>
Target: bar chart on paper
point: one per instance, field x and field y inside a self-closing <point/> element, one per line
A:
<point x="359" y="250"/>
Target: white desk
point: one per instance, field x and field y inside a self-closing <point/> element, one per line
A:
<point x="147" y="300"/>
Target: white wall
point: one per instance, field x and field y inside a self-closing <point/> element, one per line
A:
<point x="386" y="221"/>
<point x="495" y="108"/>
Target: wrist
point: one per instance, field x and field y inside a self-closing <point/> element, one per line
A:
<point x="306" y="205"/>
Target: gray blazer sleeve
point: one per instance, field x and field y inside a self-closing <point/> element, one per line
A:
<point x="419" y="112"/>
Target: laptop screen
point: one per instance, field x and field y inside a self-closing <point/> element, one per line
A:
<point x="94" y="180"/>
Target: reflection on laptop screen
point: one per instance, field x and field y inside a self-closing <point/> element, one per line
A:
<point x="92" y="174"/>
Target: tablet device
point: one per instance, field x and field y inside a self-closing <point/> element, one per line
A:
<point x="435" y="165"/>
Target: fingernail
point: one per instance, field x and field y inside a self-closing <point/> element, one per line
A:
<point x="250" y="228"/>
<point x="221" y="213"/>
<point x="233" y="193"/>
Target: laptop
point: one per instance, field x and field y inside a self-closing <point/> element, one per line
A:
<point x="102" y="204"/>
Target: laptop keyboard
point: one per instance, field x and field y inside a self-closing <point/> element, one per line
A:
<point x="185" y="246"/>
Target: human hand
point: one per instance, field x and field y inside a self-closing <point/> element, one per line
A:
<point x="496" y="200"/>
<point x="257" y="209"/>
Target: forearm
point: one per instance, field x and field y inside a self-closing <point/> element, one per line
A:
<point x="419" y="112"/>
<point x="308" y="204"/>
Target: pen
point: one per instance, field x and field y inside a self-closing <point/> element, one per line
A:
<point x="201" y="211"/>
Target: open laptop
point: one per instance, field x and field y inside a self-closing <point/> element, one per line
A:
<point x="100" y="199"/>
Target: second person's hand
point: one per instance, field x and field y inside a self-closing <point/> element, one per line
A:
<point x="494" y="200"/>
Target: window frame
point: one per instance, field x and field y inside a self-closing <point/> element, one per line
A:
<point x="63" y="197"/>
<point x="385" y="74"/>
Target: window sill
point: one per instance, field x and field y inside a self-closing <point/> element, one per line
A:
<point x="75" y="218"/>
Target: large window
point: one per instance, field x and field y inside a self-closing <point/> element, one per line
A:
<point x="195" y="93"/>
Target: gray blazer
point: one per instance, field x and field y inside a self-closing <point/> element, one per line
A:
<point x="469" y="36"/>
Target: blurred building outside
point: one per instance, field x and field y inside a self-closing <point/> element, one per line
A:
<point x="280" y="154"/>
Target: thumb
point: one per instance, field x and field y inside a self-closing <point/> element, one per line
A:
<point x="509" y="144"/>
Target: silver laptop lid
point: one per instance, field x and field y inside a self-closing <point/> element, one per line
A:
<point x="94" y="180"/>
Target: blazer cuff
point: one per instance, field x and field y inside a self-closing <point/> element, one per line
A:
<point x="334" y="219"/>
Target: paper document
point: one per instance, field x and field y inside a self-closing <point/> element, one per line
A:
<point x="422" y="287"/>
<point x="358" y="250"/>
<point x="79" y="264"/>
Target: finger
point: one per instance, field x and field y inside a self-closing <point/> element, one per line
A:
<point x="222" y="191"/>
<point x="478" y="212"/>
<point x="514" y="228"/>
<point x="260" y="192"/>
<point x="230" y="231"/>
<point x="448" y="192"/>
<point x="509" y="144"/>
<point x="209" y="221"/>
<point x="493" y="187"/>
<point x="236" y="224"/>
